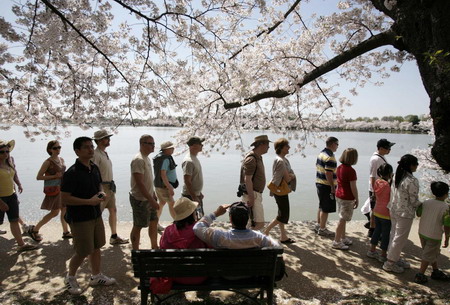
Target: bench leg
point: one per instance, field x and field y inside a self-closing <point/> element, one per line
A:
<point x="269" y="296"/>
<point x="144" y="297"/>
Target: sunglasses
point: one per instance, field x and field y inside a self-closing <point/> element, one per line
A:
<point x="56" y="147"/>
<point x="149" y="143"/>
<point x="4" y="151"/>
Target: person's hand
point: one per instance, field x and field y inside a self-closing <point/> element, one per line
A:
<point x="58" y="175"/>
<point x="250" y="202"/>
<point x="154" y="204"/>
<point x="171" y="192"/>
<point x="221" y="209"/>
<point x="20" y="188"/>
<point x="3" y="207"/>
<point x="355" y="204"/>
<point x="94" y="200"/>
<point x="201" y="196"/>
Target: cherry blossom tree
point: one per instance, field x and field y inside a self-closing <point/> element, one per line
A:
<point x="224" y="66"/>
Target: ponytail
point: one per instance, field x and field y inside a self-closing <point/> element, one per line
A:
<point x="404" y="166"/>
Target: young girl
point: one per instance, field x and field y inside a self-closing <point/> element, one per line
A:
<point x="382" y="189"/>
<point x="405" y="200"/>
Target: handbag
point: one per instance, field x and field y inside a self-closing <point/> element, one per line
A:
<point x="160" y="285"/>
<point x="52" y="187"/>
<point x="279" y="190"/>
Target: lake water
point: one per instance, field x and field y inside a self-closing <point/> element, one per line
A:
<point x="221" y="171"/>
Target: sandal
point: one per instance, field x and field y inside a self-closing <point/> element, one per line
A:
<point x="34" y="234"/>
<point x="287" y="241"/>
<point x="67" y="235"/>
<point x="439" y="275"/>
<point x="420" y="278"/>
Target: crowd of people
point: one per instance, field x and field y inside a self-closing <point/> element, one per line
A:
<point x="82" y="192"/>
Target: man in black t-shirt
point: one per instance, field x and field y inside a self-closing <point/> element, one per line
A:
<point x="82" y="192"/>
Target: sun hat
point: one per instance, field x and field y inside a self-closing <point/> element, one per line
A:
<point x="101" y="134"/>
<point x="383" y="143"/>
<point x="184" y="207"/>
<point x="195" y="140"/>
<point x="258" y="139"/>
<point x="167" y="145"/>
<point x="10" y="144"/>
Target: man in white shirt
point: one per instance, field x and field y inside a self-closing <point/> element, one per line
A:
<point x="192" y="174"/>
<point x="103" y="139"/>
<point x="142" y="195"/>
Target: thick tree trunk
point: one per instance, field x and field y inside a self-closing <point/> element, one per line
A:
<point x="425" y="29"/>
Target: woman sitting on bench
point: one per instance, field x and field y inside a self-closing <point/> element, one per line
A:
<point x="180" y="235"/>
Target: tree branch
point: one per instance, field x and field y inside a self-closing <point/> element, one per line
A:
<point x="379" y="40"/>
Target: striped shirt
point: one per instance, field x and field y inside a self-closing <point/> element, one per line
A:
<point x="232" y="239"/>
<point x="325" y="162"/>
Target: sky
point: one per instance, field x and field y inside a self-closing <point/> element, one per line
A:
<point x="402" y="94"/>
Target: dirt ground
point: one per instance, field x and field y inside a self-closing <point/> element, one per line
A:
<point x="317" y="274"/>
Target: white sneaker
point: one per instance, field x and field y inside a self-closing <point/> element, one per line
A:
<point x="118" y="241"/>
<point x="325" y="232"/>
<point x="72" y="285"/>
<point x="339" y="245"/>
<point x="404" y="264"/>
<point x="101" y="279"/>
<point x="391" y="267"/>
<point x="347" y="241"/>
<point x="2" y="232"/>
<point x="25" y="229"/>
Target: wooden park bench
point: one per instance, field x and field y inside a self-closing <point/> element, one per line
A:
<point x="255" y="267"/>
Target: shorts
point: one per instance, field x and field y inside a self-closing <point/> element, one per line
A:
<point x="257" y="209"/>
<point x="142" y="212"/>
<point x="345" y="208"/>
<point x="163" y="195"/>
<point x="327" y="201"/>
<point x="87" y="236"/>
<point x="430" y="250"/>
<point x="283" y="208"/>
<point x="13" y="213"/>
<point x="110" y="202"/>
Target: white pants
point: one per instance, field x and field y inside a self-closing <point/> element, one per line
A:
<point x="400" y="228"/>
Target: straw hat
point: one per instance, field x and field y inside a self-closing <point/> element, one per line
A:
<point x="10" y="144"/>
<point x="258" y="139"/>
<point x="101" y="134"/>
<point x="184" y="207"/>
<point x="167" y="145"/>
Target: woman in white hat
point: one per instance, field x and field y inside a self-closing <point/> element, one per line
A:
<point x="51" y="173"/>
<point x="9" y="202"/>
<point x="180" y="235"/>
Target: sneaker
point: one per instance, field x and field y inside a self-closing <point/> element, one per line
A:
<point x="391" y="267"/>
<point x="72" y="285"/>
<point x="347" y="241"/>
<point x="26" y="247"/>
<point x="67" y="235"/>
<point x="339" y="246"/>
<point x="2" y="232"/>
<point x="439" y="275"/>
<point x="402" y="263"/>
<point x="420" y="278"/>
<point x="101" y="279"/>
<point x="325" y="232"/>
<point x="373" y="254"/>
<point x="25" y="229"/>
<point x="382" y="258"/>
<point x="118" y="241"/>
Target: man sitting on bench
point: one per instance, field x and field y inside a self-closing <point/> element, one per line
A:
<point x="239" y="237"/>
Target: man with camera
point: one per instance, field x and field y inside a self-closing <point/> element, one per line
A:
<point x="82" y="192"/>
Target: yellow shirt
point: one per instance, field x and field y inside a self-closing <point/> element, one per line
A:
<point x="6" y="182"/>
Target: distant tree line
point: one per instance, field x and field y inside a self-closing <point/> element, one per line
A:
<point x="411" y="118"/>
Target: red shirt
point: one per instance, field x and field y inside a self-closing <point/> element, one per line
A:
<point x="345" y="174"/>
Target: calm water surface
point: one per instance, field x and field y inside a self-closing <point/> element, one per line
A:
<point x="221" y="171"/>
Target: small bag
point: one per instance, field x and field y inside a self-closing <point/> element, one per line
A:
<point x="160" y="285"/>
<point x="281" y="190"/>
<point x="52" y="187"/>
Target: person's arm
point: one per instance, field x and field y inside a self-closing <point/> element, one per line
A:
<point x="413" y="192"/>
<point x="139" y="178"/>
<point x="167" y="183"/>
<point x="16" y="176"/>
<point x="204" y="232"/>
<point x="354" y="192"/>
<point x="446" y="236"/>
<point x="72" y="200"/>
<point x="3" y="206"/>
<point x="329" y="176"/>
<point x="44" y="168"/>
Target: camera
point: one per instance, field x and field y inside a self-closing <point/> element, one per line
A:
<point x="242" y="189"/>
<point x="100" y="195"/>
